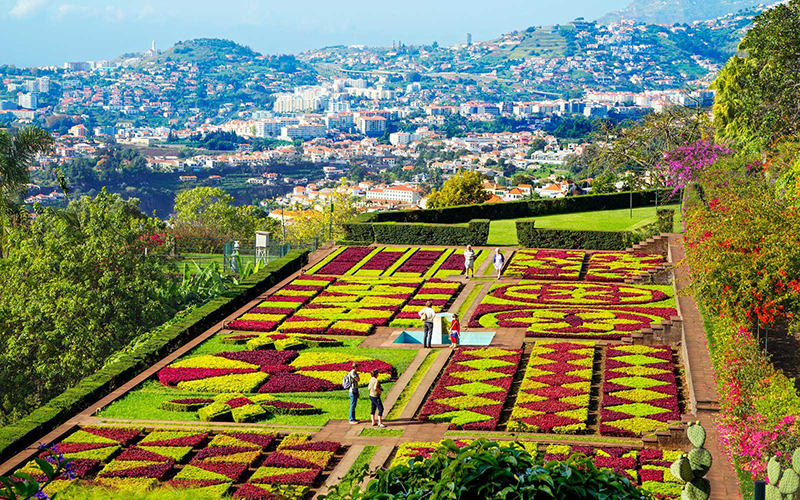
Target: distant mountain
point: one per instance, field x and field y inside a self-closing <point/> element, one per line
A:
<point x="677" y="11"/>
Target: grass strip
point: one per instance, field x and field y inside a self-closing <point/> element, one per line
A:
<point x="362" y="462"/>
<point x="412" y="386"/>
<point x="378" y="432"/>
<point x="472" y="297"/>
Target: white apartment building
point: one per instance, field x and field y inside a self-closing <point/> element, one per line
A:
<point x="403" y="138"/>
<point x="371" y="125"/>
<point x="399" y="194"/>
<point x="28" y="101"/>
<point x="302" y="131"/>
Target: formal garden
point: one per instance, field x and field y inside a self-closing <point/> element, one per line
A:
<point x="253" y="407"/>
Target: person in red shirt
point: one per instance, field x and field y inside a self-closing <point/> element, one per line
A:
<point x="455" y="332"/>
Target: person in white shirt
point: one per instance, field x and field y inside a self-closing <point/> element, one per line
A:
<point x="469" y="261"/>
<point x="499" y="261"/>
<point x="426" y="314"/>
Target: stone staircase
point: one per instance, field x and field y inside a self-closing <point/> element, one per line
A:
<point x="666" y="332"/>
<point x="657" y="244"/>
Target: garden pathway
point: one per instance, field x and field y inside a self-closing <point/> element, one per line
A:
<point x="697" y="359"/>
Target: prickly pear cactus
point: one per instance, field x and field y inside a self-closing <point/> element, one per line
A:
<point x="692" y="467"/>
<point x="783" y="484"/>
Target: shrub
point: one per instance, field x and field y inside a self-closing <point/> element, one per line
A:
<point x="486" y="469"/>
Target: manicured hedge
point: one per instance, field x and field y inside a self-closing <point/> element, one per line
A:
<point x="474" y="233"/>
<point x="515" y="209"/>
<point x="531" y="237"/>
<point x="26" y="431"/>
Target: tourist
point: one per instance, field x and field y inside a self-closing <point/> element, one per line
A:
<point x="499" y="261"/>
<point x="350" y="383"/>
<point x="426" y="314"/>
<point x="469" y="261"/>
<point x="375" y="390"/>
<point x="455" y="332"/>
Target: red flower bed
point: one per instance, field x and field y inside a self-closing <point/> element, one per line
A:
<point x="381" y="261"/>
<point x="253" y="326"/>
<point x="292" y="382"/>
<point x="345" y="260"/>
<point x="420" y="261"/>
<point x="171" y="376"/>
<point x="122" y="436"/>
<point x="305" y="478"/>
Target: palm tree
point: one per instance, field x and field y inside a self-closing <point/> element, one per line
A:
<point x="17" y="151"/>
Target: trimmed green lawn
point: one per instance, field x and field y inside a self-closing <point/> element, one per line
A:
<point x="504" y="232"/>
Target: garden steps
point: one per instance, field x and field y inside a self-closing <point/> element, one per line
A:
<point x="656" y="244"/>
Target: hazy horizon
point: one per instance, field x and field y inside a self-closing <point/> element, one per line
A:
<point x="51" y="32"/>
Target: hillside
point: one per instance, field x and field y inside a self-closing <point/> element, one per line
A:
<point x="677" y="11"/>
<point x="210" y="51"/>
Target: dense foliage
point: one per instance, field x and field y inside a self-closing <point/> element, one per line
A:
<point x="76" y="287"/>
<point x="486" y="469"/>
<point x="206" y="212"/>
<point x="758" y="88"/>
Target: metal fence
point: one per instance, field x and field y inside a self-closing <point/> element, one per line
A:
<point x="247" y="251"/>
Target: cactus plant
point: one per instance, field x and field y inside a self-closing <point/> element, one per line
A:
<point x="783" y="483"/>
<point x="692" y="467"/>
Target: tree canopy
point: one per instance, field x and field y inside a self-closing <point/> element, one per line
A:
<point x="464" y="188"/>
<point x="759" y="87"/>
<point x="206" y="212"/>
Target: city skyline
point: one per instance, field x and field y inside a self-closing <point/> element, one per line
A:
<point x="50" y="32"/>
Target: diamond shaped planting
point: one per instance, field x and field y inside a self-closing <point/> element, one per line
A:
<point x="640" y="393"/>
<point x="554" y="394"/>
<point x="471" y="392"/>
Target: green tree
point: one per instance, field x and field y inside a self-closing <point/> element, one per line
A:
<point x="759" y="87"/>
<point x="604" y="183"/>
<point x="309" y="224"/>
<point x="16" y="154"/>
<point x="464" y="188"/>
<point x="207" y="212"/>
<point x="76" y="288"/>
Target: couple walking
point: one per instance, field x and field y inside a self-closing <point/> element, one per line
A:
<point x="350" y="383"/>
<point x="469" y="262"/>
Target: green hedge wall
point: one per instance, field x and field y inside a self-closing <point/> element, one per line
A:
<point x="15" y="437"/>
<point x="516" y="209"/>
<point x="530" y="237"/>
<point x="474" y="233"/>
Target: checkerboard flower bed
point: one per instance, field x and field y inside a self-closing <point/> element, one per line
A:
<point x="656" y="476"/>
<point x="546" y="264"/>
<point x="581" y="310"/>
<point x="423" y="262"/>
<point x="266" y="372"/>
<point x="297" y="462"/>
<point x="640" y="393"/>
<point x="624" y="461"/>
<point x="419" y="450"/>
<point x="555" y="390"/>
<point x="471" y="392"/>
<point x="454" y="265"/>
<point x="273" y="310"/>
<point x="239" y="408"/>
<point x="619" y="266"/>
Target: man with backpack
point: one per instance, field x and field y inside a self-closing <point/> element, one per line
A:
<point x="350" y="382"/>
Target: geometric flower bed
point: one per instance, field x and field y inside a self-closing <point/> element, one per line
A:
<point x="546" y="264"/>
<point x="144" y="460"/>
<point x="400" y="262"/>
<point x="351" y="306"/>
<point x="280" y="341"/>
<point x="622" y="460"/>
<point x="439" y="292"/>
<point x="585" y="310"/>
<point x="268" y="371"/>
<point x="421" y="449"/>
<point x="640" y="393"/>
<point x="226" y="458"/>
<point x="647" y="468"/>
<point x="290" y="470"/>
<point x="471" y="391"/>
<point x="238" y="408"/>
<point x="619" y="266"/>
<point x="554" y="395"/>
<point x="266" y="316"/>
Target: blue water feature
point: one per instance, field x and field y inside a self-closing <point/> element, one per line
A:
<point x="467" y="338"/>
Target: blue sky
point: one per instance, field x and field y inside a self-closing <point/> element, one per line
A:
<point x="42" y="32"/>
